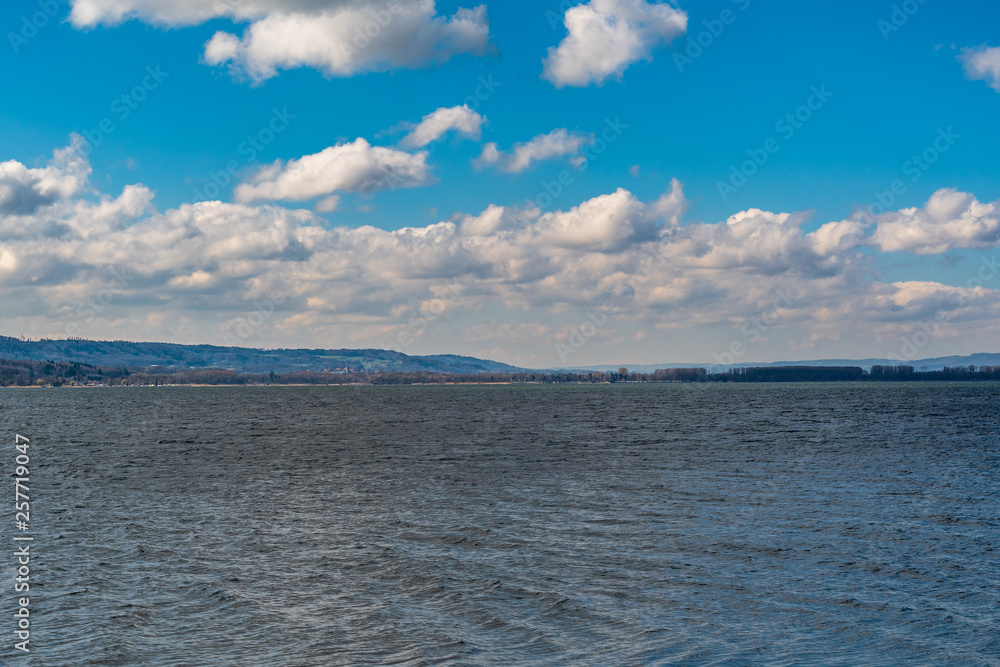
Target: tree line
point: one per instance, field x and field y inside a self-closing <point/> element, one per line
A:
<point x="56" y="374"/>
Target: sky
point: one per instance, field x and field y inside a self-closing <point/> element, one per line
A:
<point x="548" y="184"/>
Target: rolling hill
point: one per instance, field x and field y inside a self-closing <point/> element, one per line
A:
<point x="247" y="360"/>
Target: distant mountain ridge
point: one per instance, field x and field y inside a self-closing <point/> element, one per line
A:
<point x="249" y="360"/>
<point x="934" y="364"/>
<point x="130" y="354"/>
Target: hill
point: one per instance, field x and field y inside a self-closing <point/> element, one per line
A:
<point x="175" y="357"/>
<point x="127" y="354"/>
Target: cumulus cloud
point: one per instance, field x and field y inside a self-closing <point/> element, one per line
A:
<point x="606" y="36"/>
<point x="604" y="223"/>
<point x="353" y="167"/>
<point x="23" y="191"/>
<point x="838" y="236"/>
<point x="982" y="64"/>
<point x="435" y="125"/>
<point x="556" y="144"/>
<point x="344" y="41"/>
<point x="91" y="13"/>
<point x="337" y="37"/>
<point x="19" y="191"/>
<point x="950" y="219"/>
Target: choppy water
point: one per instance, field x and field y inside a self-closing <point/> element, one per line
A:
<point x="541" y="525"/>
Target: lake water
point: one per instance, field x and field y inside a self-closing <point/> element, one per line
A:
<point x="849" y="524"/>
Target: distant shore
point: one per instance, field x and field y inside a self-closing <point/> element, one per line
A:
<point x="75" y="374"/>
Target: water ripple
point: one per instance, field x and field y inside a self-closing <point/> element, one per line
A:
<point x="660" y="525"/>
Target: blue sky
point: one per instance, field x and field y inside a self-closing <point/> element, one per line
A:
<point x="895" y="86"/>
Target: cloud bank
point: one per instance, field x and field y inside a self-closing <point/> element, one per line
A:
<point x="197" y="270"/>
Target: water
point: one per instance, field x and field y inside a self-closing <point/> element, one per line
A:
<point x="498" y="525"/>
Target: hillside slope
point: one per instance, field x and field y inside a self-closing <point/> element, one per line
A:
<point x="250" y="360"/>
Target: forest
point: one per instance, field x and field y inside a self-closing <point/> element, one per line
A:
<point x="58" y="374"/>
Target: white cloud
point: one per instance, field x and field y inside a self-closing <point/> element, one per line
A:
<point x="605" y="223"/>
<point x="90" y="13"/>
<point x="435" y="125"/>
<point x="671" y="206"/>
<point x="337" y="37"/>
<point x="606" y="36"/>
<point x="555" y="144"/>
<point x="349" y="40"/>
<point x="328" y="204"/>
<point x="950" y="219"/>
<point x="353" y="167"/>
<point x="838" y="236"/>
<point x="491" y="154"/>
<point x="983" y="64"/>
<point x="23" y="191"/>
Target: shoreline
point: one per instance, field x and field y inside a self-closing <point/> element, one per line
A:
<point x="515" y="384"/>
